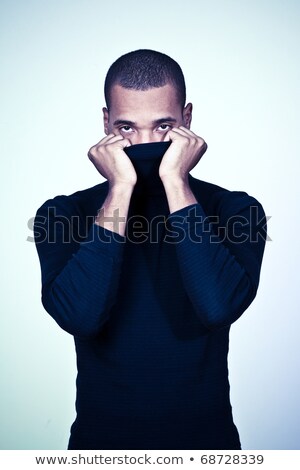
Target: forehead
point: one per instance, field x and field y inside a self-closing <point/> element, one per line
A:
<point x="152" y="103"/>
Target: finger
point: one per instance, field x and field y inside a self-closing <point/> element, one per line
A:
<point x="104" y="141"/>
<point x="193" y="135"/>
<point x="101" y="142"/>
<point x="106" y="138"/>
<point x="176" y="133"/>
<point x="122" y="143"/>
<point x="109" y="139"/>
<point x="188" y="131"/>
<point x="113" y="139"/>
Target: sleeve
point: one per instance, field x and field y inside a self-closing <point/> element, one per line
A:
<point x="79" y="278"/>
<point x="220" y="256"/>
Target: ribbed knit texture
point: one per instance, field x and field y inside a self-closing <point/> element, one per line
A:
<point x="151" y="320"/>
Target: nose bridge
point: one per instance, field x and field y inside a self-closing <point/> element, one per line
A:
<point x="145" y="136"/>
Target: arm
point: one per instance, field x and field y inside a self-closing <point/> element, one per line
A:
<point x="220" y="273"/>
<point x="220" y="264"/>
<point x="112" y="162"/>
<point x="80" y="279"/>
<point x="114" y="211"/>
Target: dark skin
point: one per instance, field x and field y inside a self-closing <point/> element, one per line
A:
<point x="135" y="117"/>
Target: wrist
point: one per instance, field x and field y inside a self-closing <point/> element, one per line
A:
<point x="178" y="192"/>
<point x="175" y="181"/>
<point x="121" y="188"/>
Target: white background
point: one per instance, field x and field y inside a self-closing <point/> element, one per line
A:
<point x="241" y="63"/>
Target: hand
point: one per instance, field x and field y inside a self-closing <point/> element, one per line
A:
<point x="183" y="154"/>
<point x="112" y="162"/>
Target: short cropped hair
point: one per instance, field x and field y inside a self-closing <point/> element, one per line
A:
<point x="144" y="69"/>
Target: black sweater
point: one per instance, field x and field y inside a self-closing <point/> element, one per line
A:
<point x="151" y="315"/>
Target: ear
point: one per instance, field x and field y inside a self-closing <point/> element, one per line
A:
<point x="105" y="120"/>
<point x="187" y="115"/>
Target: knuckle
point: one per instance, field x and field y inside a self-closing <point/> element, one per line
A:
<point x="90" y="154"/>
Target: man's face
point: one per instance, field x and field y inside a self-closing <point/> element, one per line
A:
<point x="145" y="116"/>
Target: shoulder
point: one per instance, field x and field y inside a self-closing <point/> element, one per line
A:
<point x="82" y="202"/>
<point x="218" y="200"/>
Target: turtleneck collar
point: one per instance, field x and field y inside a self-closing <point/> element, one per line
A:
<point x="146" y="159"/>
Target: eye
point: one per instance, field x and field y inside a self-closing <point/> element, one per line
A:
<point x="125" y="129"/>
<point x="164" y="127"/>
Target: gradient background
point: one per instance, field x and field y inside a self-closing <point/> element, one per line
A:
<point x="241" y="63"/>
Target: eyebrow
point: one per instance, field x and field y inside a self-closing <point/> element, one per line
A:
<point x="124" y="122"/>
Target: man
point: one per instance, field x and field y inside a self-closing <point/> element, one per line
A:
<point x="148" y="271"/>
